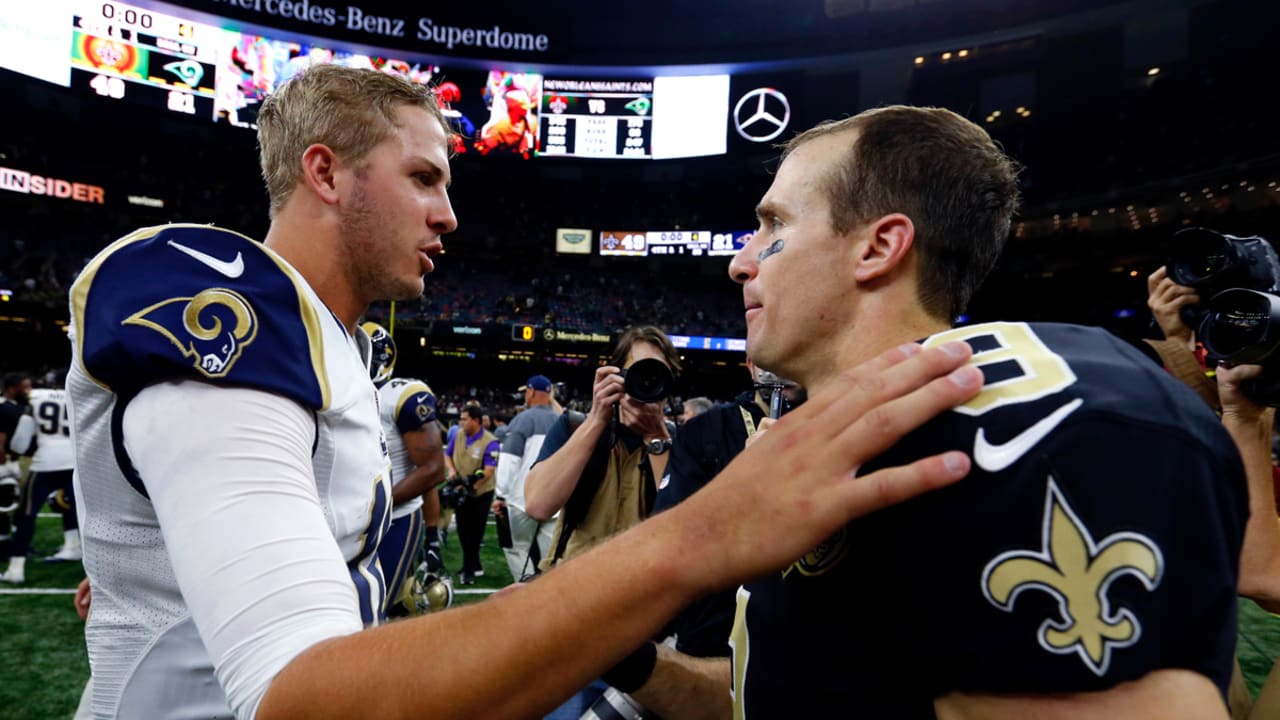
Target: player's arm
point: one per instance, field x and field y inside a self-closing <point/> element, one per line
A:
<point x="1250" y="425"/>
<point x="550" y="482"/>
<point x="426" y="452"/>
<point x="24" y="436"/>
<point x="683" y="687"/>
<point x="228" y="472"/>
<point x="712" y="540"/>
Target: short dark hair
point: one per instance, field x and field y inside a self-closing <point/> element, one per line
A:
<point x="473" y="411"/>
<point x="651" y="335"/>
<point x="939" y="169"/>
<point x="14" y="379"/>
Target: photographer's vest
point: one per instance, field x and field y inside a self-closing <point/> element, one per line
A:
<point x="468" y="457"/>
<point x="619" y="502"/>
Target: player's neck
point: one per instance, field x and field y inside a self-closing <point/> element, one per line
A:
<point x="870" y="336"/>
<point x="311" y="252"/>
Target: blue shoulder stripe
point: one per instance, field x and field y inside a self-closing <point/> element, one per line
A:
<point x="195" y="301"/>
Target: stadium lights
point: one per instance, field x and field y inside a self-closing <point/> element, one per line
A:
<point x="1153" y="72"/>
<point x="422" y="341"/>
<point x="946" y="55"/>
<point x="995" y="113"/>
<point x="919" y="59"/>
<point x="963" y="53"/>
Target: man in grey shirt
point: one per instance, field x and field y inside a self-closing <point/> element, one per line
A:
<point x="519" y="451"/>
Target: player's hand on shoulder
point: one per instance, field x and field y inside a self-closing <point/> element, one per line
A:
<point x="802" y="472"/>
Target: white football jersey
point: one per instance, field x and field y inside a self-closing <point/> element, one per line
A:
<point x="182" y="311"/>
<point x="406" y="405"/>
<point x="52" y="431"/>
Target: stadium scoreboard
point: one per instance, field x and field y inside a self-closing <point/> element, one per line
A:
<point x="154" y="59"/>
<point x="597" y="118"/>
<point x="665" y="243"/>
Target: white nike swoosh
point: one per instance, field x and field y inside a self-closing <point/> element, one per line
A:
<point x="994" y="458"/>
<point x="232" y="269"/>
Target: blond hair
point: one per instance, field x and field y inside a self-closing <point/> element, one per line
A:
<point x="347" y="109"/>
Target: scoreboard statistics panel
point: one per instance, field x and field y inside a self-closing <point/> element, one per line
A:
<point x="154" y="59"/>
<point x="597" y="118"/>
<point x="663" y="243"/>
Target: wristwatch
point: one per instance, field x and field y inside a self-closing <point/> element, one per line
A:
<point x="657" y="446"/>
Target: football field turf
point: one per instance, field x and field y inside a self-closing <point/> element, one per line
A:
<point x="43" y="666"/>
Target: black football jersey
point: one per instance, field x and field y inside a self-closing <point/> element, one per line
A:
<point x="1096" y="539"/>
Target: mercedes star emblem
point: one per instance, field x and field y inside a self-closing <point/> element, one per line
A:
<point x="764" y="119"/>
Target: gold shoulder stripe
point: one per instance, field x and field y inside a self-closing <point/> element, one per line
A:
<point x="80" y="289"/>
<point x="409" y="391"/>
<point x="310" y="319"/>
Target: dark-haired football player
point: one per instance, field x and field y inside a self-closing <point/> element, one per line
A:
<point x="1088" y="565"/>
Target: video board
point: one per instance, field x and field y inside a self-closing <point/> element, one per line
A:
<point x="597" y="118"/>
<point x="222" y="71"/>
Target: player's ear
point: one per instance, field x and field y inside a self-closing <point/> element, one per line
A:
<point x="885" y="243"/>
<point x="319" y="172"/>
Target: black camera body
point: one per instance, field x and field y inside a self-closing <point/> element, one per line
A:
<point x="456" y="492"/>
<point x="648" y="380"/>
<point x="1212" y="262"/>
<point x="1238" y="320"/>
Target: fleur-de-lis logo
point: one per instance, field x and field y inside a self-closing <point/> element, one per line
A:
<point x="823" y="558"/>
<point x="1079" y="573"/>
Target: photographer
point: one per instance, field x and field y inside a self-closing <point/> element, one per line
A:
<point x="603" y="472"/>
<point x="470" y="465"/>
<point x="601" y="468"/>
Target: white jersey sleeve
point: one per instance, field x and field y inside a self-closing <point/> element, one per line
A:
<point x="23" y="436"/>
<point x="244" y="527"/>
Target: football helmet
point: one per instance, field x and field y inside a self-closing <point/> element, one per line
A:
<point x="431" y="592"/>
<point x="382" y="362"/>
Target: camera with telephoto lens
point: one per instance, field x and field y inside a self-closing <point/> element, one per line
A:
<point x="456" y="492"/>
<point x="648" y="380"/>
<point x="1212" y="262"/>
<point x="1238" y="320"/>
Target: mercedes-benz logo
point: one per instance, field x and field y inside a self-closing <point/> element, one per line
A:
<point x="548" y="334"/>
<point x="764" y="119"/>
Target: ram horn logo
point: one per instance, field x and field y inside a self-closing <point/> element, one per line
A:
<point x="1079" y="573"/>
<point x="212" y="328"/>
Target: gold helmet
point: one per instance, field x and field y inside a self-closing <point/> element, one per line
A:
<point x="431" y="592"/>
